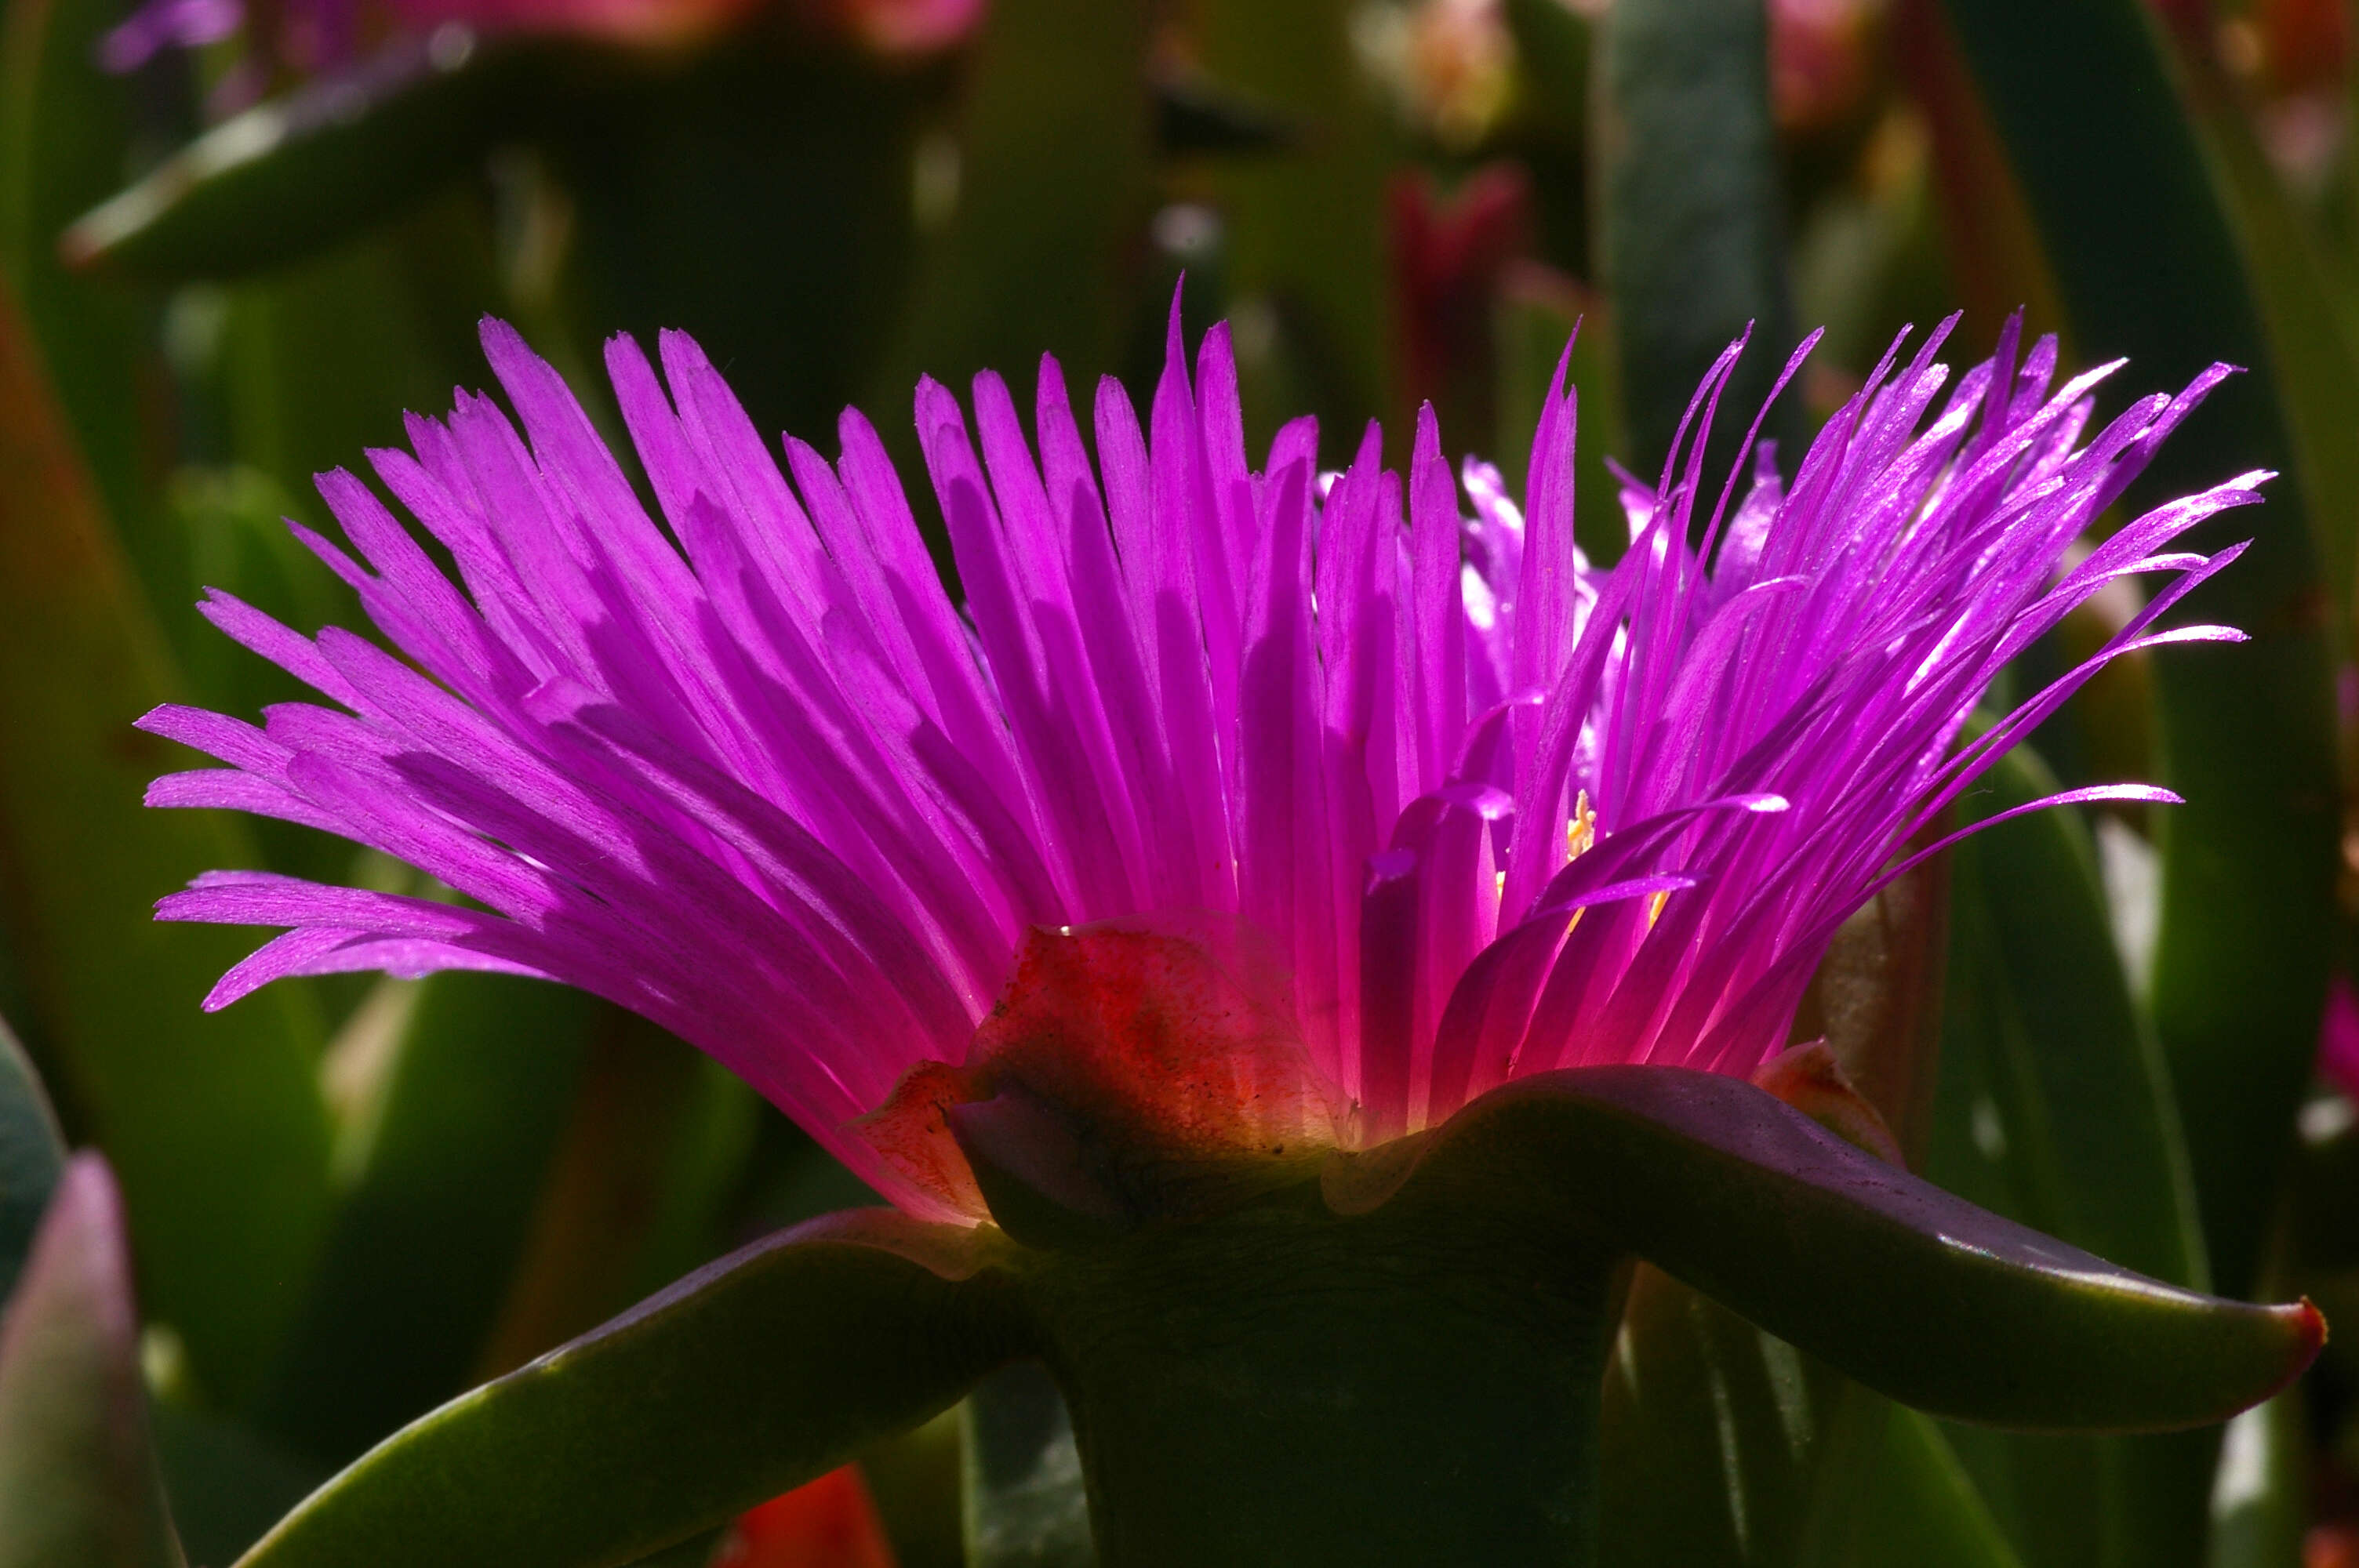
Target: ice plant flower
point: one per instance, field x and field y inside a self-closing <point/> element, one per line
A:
<point x="1322" y="930"/>
<point x="1388" y="804"/>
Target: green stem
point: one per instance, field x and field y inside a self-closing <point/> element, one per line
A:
<point x="1283" y="1387"/>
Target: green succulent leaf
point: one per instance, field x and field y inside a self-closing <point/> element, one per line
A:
<point x="757" y="1373"/>
<point x="78" y="1478"/>
<point x="2148" y="265"/>
<point x="2308" y="332"/>
<point x="296" y="174"/>
<point x="227" y="1484"/>
<point x="32" y="1152"/>
<point x="2043" y="1046"/>
<point x="1888" y="1278"/>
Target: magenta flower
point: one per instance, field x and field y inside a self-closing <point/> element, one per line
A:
<point x="1253" y="807"/>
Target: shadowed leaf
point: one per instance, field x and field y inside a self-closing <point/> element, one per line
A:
<point x="1888" y="1279"/>
<point x="1305" y="228"/>
<point x="213" y="1123"/>
<point x="296" y="174"/>
<point x="1053" y="185"/>
<point x="32" y="1151"/>
<point x="1691" y="217"/>
<point x="767" y="1369"/>
<point x="1025" y="1503"/>
<point x="454" y="1091"/>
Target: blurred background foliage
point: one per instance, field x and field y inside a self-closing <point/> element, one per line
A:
<point x="236" y="241"/>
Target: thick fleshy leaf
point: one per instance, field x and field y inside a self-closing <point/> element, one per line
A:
<point x="32" y="1151"/>
<point x="214" y="1123"/>
<point x="291" y="176"/>
<point x="770" y="1367"/>
<point x="1690" y="216"/>
<point x="920" y="1492"/>
<point x="1991" y="243"/>
<point x="1026" y="1506"/>
<point x="2052" y="1073"/>
<point x="2148" y="267"/>
<point x="77" y="1480"/>
<point x="1890" y="1280"/>
<point x="1720" y="1443"/>
<point x="2054" y="1110"/>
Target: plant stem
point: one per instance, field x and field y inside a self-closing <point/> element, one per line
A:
<point x="1281" y="1386"/>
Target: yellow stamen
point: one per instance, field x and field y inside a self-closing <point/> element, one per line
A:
<point x="1581" y="833"/>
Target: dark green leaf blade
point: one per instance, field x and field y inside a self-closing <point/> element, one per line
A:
<point x="32" y="1152"/>
<point x="294" y="174"/>
<point x="77" y="1479"/>
<point x="1710" y="1436"/>
<point x="1054" y="182"/>
<point x="443" y="1158"/>
<point x="227" y="1484"/>
<point x="1891" y="1281"/>
<point x="1026" y="1506"/>
<point x="66" y="134"/>
<point x="1914" y="1504"/>
<point x="1308" y="230"/>
<point x="2148" y="267"/>
<point x="2039" y="1006"/>
<point x="1689" y="213"/>
<point x="2055" y="1108"/>
<point x="770" y="1367"/>
<point x="2261" y="1497"/>
<point x="213" y="1123"/>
